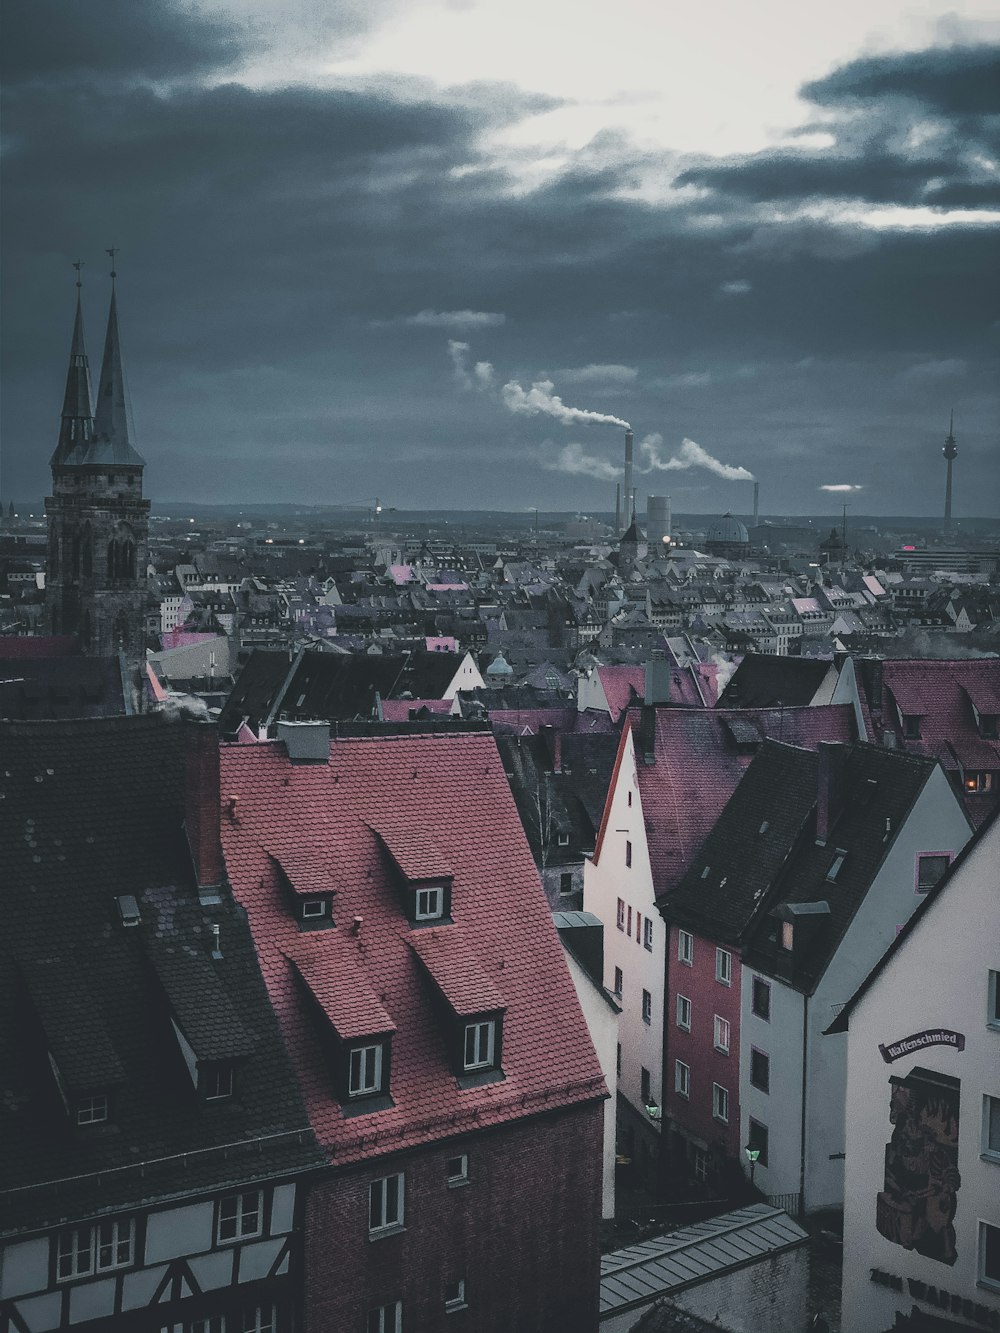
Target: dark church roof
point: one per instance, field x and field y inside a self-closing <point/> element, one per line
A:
<point x="761" y="681"/>
<point x="62" y="687"/>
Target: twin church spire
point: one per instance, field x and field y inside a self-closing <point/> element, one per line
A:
<point x="95" y="436"/>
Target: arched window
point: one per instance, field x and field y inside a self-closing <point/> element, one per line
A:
<point x="122" y="634"/>
<point x="121" y="553"/>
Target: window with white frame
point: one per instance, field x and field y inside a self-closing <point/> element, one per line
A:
<point x="991" y="1127"/>
<point x="313" y="909"/>
<point x="92" y="1110"/>
<point x="213" y="1323"/>
<point x="993" y="999"/>
<point x="96" y="1248"/>
<point x="259" y="1319"/>
<point x="456" y="1169"/>
<point x="385" y="1203"/>
<point x="240" y="1215"/>
<point x="386" y="1318"/>
<point x="217" y="1081"/>
<point x="647" y="1007"/>
<point x="621" y="913"/>
<point x="647" y="934"/>
<point x="429" y="904"/>
<point x="480" y="1044"/>
<point x="685" y="947"/>
<point x="977" y="784"/>
<point x="682" y="1078"/>
<point x="720" y="1103"/>
<point x="723" y="966"/>
<point x="700" y="1164"/>
<point x="364" y="1075"/>
<point x="683" y="1014"/>
<point x="721" y="1034"/>
<point x="454" y="1295"/>
<point x="989" y="1255"/>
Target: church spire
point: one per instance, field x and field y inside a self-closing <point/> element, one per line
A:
<point x="111" y="443"/>
<point x="76" y="427"/>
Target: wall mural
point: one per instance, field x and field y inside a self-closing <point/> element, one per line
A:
<point x="916" y="1206"/>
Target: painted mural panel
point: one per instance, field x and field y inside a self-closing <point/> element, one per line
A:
<point x="917" y="1203"/>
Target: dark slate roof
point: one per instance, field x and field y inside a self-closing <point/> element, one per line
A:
<point x="569" y="802"/>
<point x="90" y="810"/>
<point x="255" y="690"/>
<point x="767" y="682"/>
<point x="48" y="688"/>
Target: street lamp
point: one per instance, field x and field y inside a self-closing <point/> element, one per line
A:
<point x="753" y="1155"/>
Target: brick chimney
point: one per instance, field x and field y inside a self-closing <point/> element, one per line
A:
<point x="831" y="776"/>
<point x="202" y="807"/>
<point x="658" y="678"/>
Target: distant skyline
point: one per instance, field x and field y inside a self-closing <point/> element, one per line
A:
<point x="443" y="252"/>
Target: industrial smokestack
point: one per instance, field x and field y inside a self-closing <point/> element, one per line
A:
<point x="756" y="502"/>
<point x="618" y="506"/>
<point x="670" y="523"/>
<point x="629" y="493"/>
<point x="657" y="522"/>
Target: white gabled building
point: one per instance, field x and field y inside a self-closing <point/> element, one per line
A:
<point x="922" y="1198"/>
<point x="618" y="889"/>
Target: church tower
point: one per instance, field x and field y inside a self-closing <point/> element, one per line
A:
<point x="98" y="521"/>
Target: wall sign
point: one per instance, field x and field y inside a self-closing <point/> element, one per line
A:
<point x="895" y="1050"/>
<point x="941" y="1300"/>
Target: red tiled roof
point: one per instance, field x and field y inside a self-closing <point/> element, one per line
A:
<point x="307" y="873"/>
<point x="412" y="847"/>
<point x="452" y="786"/>
<point x="399" y="710"/>
<point x="449" y="957"/>
<point x="335" y="976"/>
<point x="699" y="763"/>
<point x="623" y="686"/>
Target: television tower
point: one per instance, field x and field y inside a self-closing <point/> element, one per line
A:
<point x="950" y="451"/>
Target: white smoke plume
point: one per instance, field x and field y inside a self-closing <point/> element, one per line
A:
<point x="689" y="455"/>
<point x="481" y="376"/>
<point x="540" y="398"/>
<point x="455" y="319"/>
<point x="842" y="487"/>
<point x="571" y="458"/>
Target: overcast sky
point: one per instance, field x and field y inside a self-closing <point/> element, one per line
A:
<point x="435" y="250"/>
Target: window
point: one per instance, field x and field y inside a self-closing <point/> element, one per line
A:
<point x="647" y="1007"/>
<point x="92" y="1110"/>
<point x="685" y="947"/>
<point x="931" y="869"/>
<point x="456" y="1169"/>
<point x="618" y="1059"/>
<point x="429" y="904"/>
<point x="645" y="1088"/>
<point x="647" y="934"/>
<point x="721" y="1035"/>
<point x="991" y="1127"/>
<point x="365" y="1070"/>
<point x="95" y="1249"/>
<point x="313" y="908"/>
<point x="454" y="1295"/>
<point x="566" y="882"/>
<point x="480" y="1044"/>
<point x="217" y="1082"/>
<point x="760" y="1000"/>
<point x="619" y="981"/>
<point x="621" y="913"/>
<point x="720" y="1103"/>
<point x="787" y="935"/>
<point x="563" y="839"/>
<point x="682" y="1078"/>
<point x="385" y="1203"/>
<point x="259" y="1319"/>
<point x="638" y="927"/>
<point x="993" y="1009"/>
<point x="386" y="1318"/>
<point x="840" y="856"/>
<point x="628" y="927"/>
<point x="724" y="966"/>
<point x="977" y="784"/>
<point x="700" y="1165"/>
<point x="760" y="1070"/>
<point x="911" y="726"/>
<point x="757" y="1138"/>
<point x="989" y="1255"/>
<point x="240" y="1215"/>
<point x="628" y="852"/>
<point x="683" y="1015"/>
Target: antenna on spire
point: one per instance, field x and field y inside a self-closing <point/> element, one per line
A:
<point x="112" y="252"/>
<point x="78" y="265"/>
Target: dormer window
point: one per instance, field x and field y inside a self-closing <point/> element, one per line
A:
<point x="429" y="904"/>
<point x="94" y="1109"/>
<point x="314" y="910"/>
<point x="217" y="1081"/>
<point x="788" y="935"/>
<point x="365" y="1069"/>
<point x="988" y="726"/>
<point x="911" y="726"/>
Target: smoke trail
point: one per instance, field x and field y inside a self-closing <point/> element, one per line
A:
<point x="572" y="459"/>
<point x="482" y="373"/>
<point x="687" y="456"/>
<point x="842" y="486"/>
<point x="540" y="398"/>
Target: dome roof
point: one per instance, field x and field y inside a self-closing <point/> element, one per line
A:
<point x="728" y="529"/>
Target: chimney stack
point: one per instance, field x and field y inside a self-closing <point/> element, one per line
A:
<point x="657" y="684"/>
<point x="831" y="777"/>
<point x="618" y="507"/>
<point x="629" y="493"/>
<point x="756" y="503"/>
<point x="202" y="808"/>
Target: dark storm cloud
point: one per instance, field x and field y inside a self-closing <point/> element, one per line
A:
<point x="914" y="128"/>
<point x="52" y="40"/>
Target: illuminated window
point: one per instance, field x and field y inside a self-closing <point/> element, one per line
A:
<point x="977" y="784"/>
<point x="787" y="935"/>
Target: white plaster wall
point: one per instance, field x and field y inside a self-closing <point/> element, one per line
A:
<point x="780" y="1109"/>
<point x="938" y="978"/>
<point x="604" y="882"/>
<point x="467" y="677"/>
<point x="590" y="693"/>
<point x="602" y="1024"/>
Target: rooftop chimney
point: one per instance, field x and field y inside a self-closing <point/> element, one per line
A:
<point x="657" y="685"/>
<point x="202" y="807"/>
<point x="306" y="742"/>
<point x="830" y="783"/>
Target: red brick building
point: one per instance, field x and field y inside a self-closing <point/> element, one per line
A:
<point x="423" y="997"/>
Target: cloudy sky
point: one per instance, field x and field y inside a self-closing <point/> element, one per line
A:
<point x="436" y="250"/>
